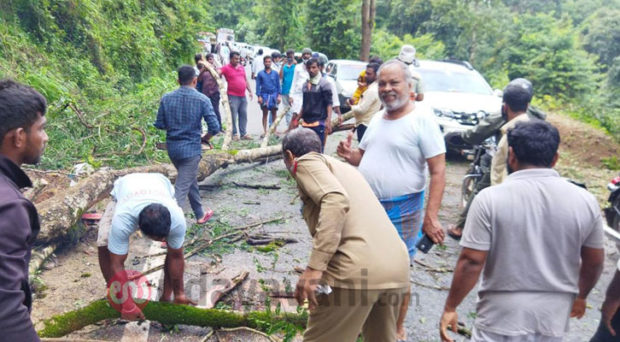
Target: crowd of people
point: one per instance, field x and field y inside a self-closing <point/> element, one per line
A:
<point x="534" y="239"/>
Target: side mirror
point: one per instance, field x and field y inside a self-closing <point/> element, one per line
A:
<point x="498" y="93"/>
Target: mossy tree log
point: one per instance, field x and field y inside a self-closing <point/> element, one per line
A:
<point x="167" y="313"/>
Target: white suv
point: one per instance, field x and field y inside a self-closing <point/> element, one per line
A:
<point x="458" y="95"/>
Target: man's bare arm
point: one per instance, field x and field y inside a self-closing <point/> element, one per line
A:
<point x="591" y="268"/>
<point x="432" y="226"/>
<point x="174" y="269"/>
<point x="468" y="269"/>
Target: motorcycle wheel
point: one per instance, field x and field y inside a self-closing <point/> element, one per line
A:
<point x="467" y="187"/>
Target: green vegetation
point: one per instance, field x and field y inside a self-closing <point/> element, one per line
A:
<point x="567" y="48"/>
<point x="104" y="64"/>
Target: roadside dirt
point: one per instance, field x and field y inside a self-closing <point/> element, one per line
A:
<point x="72" y="278"/>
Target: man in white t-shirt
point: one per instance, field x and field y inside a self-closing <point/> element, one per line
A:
<point x="300" y="76"/>
<point x="536" y="238"/>
<point x="399" y="143"/>
<point x="335" y="100"/>
<point x="145" y="201"/>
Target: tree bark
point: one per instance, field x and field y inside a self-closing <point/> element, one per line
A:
<point x="368" y="23"/>
<point x="59" y="213"/>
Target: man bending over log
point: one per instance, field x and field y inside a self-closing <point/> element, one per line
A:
<point x="145" y="201"/>
<point x="22" y="140"/>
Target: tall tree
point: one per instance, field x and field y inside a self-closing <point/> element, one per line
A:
<point x="369" y="9"/>
<point x="286" y="30"/>
<point x="333" y="27"/>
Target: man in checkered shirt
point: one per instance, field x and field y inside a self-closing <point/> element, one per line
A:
<point x="180" y="114"/>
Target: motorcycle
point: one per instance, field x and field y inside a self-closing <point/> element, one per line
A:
<point x="612" y="213"/>
<point x="480" y="156"/>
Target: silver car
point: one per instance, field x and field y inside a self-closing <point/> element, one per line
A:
<point x="345" y="73"/>
<point x="458" y="95"/>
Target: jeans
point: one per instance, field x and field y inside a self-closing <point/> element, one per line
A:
<point x="320" y="131"/>
<point x="186" y="184"/>
<point x="215" y="102"/>
<point x="239" y="108"/>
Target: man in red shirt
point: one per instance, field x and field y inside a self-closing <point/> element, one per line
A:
<point x="237" y="84"/>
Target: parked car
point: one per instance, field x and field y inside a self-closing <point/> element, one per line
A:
<point x="458" y="95"/>
<point x="345" y="73"/>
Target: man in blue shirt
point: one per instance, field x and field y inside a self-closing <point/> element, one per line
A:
<point x="287" y="71"/>
<point x="180" y="114"/>
<point x="268" y="92"/>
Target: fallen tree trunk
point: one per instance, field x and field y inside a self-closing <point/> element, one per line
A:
<point x="59" y="213"/>
<point x="169" y="314"/>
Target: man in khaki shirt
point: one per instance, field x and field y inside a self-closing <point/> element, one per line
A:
<point x="356" y="250"/>
<point x="516" y="99"/>
<point x="369" y="103"/>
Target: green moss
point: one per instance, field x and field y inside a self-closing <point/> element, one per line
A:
<point x="167" y="313"/>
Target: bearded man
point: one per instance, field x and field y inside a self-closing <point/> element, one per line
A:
<point x="400" y="142"/>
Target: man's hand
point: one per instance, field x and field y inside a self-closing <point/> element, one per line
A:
<point x="579" y="308"/>
<point x="251" y="96"/>
<point x="449" y="319"/>
<point x="260" y="100"/>
<point x="609" y="309"/>
<point x="279" y="99"/>
<point x="432" y="227"/>
<point x="290" y="100"/>
<point x="339" y="119"/>
<point x="344" y="147"/>
<point x="328" y="126"/>
<point x="306" y="287"/>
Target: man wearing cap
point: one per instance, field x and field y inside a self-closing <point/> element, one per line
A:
<point x="516" y="98"/>
<point x="407" y="56"/>
<point x="299" y="79"/>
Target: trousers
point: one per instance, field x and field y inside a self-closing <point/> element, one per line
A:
<point x="343" y="314"/>
<point x="239" y="110"/>
<point x="186" y="184"/>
